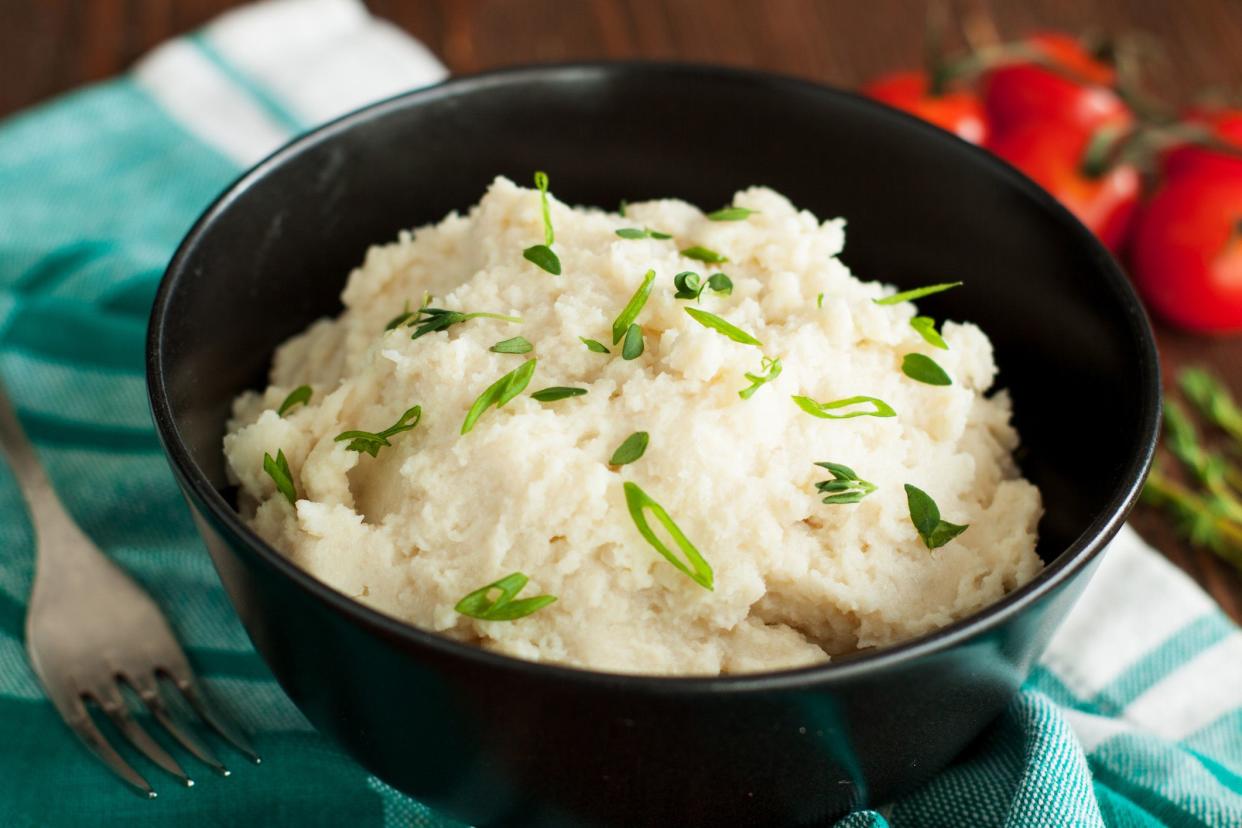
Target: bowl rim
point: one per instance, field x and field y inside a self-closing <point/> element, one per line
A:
<point x="1076" y="556"/>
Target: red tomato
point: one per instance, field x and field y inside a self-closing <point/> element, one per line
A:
<point x="1054" y="160"/>
<point x="1226" y="126"/>
<point x="1072" y="91"/>
<point x="959" y="112"/>
<point x="1185" y="251"/>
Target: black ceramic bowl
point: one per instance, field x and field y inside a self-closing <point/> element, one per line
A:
<point x="493" y="740"/>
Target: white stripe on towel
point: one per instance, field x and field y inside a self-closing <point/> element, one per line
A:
<point x="322" y="58"/>
<point x="207" y="103"/>
<point x="1194" y="695"/>
<point x="1115" y="623"/>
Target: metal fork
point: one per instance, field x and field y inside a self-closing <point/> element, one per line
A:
<point x="90" y="628"/>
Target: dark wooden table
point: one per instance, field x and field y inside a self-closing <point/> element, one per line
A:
<point x="48" y="46"/>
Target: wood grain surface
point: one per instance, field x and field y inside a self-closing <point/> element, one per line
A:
<point x="49" y="46"/>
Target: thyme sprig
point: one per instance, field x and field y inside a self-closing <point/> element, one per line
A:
<point x="1209" y="511"/>
<point x="430" y="320"/>
<point x="844" y="487"/>
<point x="372" y="441"/>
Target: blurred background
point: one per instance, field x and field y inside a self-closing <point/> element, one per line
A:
<point x="1127" y="83"/>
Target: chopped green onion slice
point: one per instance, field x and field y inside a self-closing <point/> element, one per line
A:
<point x="926" y="327"/>
<point x="516" y="345"/>
<point x="630" y="449"/>
<point x="557" y="392"/>
<point x="925" y="515"/>
<point x="278" y="470"/>
<point x="479" y="605"/>
<point x="879" y="408"/>
<point x="917" y="293"/>
<point x="703" y="254"/>
<point x="819" y="301"/>
<point x="731" y="214"/>
<point x="694" y="565"/>
<point x="711" y="320"/>
<point x="371" y="442"/>
<point x="643" y="233"/>
<point x="844" y="487"/>
<point x="541" y="182"/>
<point x="594" y="345"/>
<point x="298" y="396"/>
<point x="500" y="392"/>
<point x="630" y="312"/>
<point x="770" y="369"/>
<point x="924" y="369"/>
<point x="632" y="347"/>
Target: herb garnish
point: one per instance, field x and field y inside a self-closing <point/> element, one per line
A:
<point x="500" y="392"/>
<point x="703" y="254"/>
<point x="770" y="369"/>
<point x="711" y="320"/>
<point x="845" y="486"/>
<point x="643" y="233"/>
<point x="622" y="207"/>
<point x="1210" y="396"/>
<point x="926" y="327"/>
<point x="278" y="470"/>
<point x="630" y="449"/>
<point x="438" y="319"/>
<point x="406" y="313"/>
<point x="818" y="409"/>
<point x="632" y="347"/>
<point x="541" y="255"/>
<point x="731" y="214"/>
<point x="917" y="293"/>
<point x="924" y="369"/>
<point x="621" y="325"/>
<point x="594" y="345"/>
<point x="504" y="608"/>
<point x="400" y="318"/>
<point x="516" y="345"/>
<point x="372" y="442"/>
<point x="691" y="286"/>
<point x="819" y="301"/>
<point x="925" y="516"/>
<point x="697" y="568"/>
<point x="298" y="396"/>
<point x="557" y="392"/>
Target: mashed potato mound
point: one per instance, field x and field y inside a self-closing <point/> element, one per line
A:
<point x="438" y="514"/>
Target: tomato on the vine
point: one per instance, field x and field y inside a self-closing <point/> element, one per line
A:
<point x="1066" y="88"/>
<point x="1222" y="125"/>
<point x="1185" y="251"/>
<point x="1104" y="200"/>
<point x="957" y="111"/>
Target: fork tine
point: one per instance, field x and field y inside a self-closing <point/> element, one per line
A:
<point x="80" y="722"/>
<point x="148" y="690"/>
<point x="189" y="689"/>
<point x="194" y="746"/>
<point x="113" y="704"/>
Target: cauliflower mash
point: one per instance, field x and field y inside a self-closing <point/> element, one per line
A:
<point x="460" y="448"/>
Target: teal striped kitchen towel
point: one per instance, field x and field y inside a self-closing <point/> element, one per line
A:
<point x="1133" y="718"/>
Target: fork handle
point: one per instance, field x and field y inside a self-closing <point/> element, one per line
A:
<point x="52" y="522"/>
